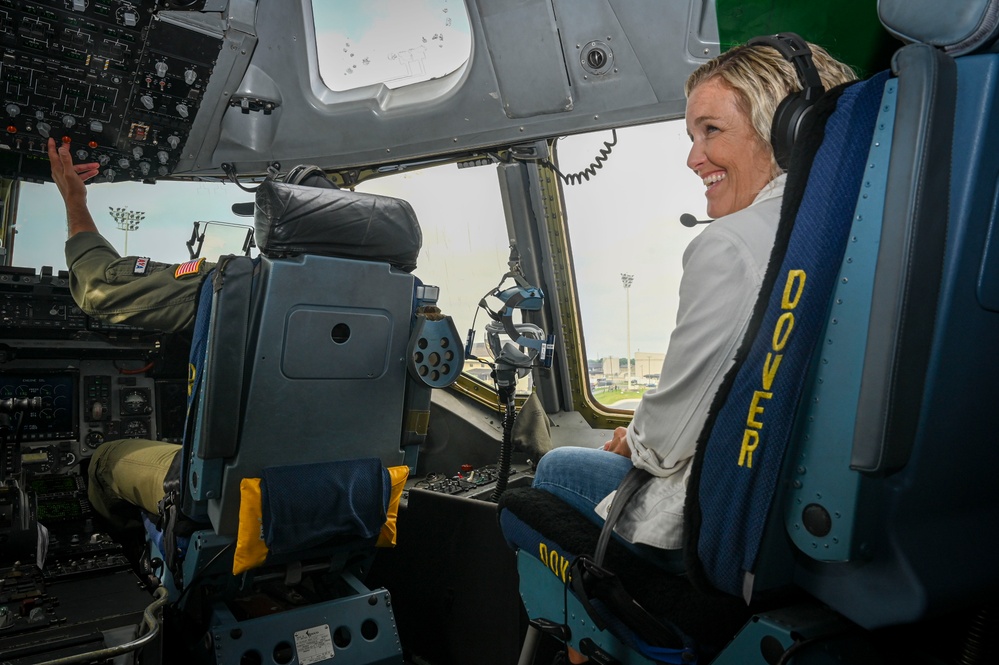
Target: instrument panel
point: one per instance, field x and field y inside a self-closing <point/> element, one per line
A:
<point x="117" y="80"/>
<point x="69" y="383"/>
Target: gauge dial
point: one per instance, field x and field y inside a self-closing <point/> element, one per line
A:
<point x="94" y="439"/>
<point x="135" y="428"/>
<point x="135" y="401"/>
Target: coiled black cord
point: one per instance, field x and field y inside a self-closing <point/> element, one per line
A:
<point x="591" y="170"/>
<point x="506" y="448"/>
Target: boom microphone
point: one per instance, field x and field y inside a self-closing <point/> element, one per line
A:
<point x="690" y="221"/>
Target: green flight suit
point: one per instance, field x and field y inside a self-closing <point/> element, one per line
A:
<point x="140" y="292"/>
<point x="132" y="290"/>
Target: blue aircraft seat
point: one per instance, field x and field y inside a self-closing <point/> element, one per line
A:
<point x="308" y="382"/>
<point x="910" y="503"/>
<point x="880" y="505"/>
<point x="307" y="353"/>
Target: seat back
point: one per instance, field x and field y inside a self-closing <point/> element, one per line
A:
<point x="896" y="526"/>
<point x="306" y="357"/>
<point x="888" y="472"/>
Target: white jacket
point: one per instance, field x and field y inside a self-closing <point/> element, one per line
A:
<point x="723" y="270"/>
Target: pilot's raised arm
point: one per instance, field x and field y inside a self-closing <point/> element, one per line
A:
<point x="135" y="289"/>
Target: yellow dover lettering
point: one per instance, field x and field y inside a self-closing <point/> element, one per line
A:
<point x="793" y="288"/>
<point x="557" y="563"/>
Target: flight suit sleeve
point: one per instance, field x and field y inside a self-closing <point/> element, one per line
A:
<point x="132" y="290"/>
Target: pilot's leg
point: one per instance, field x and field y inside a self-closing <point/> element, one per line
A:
<point x="128" y="473"/>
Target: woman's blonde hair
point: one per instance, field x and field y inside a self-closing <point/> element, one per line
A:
<point x="761" y="78"/>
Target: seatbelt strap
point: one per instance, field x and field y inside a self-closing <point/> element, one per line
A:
<point x="631" y="483"/>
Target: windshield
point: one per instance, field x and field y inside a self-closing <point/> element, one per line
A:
<point x="627" y="250"/>
<point x="152" y="220"/>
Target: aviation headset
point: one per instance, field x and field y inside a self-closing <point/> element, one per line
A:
<point x="797" y="106"/>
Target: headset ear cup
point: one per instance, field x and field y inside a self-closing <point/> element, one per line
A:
<point x="786" y="125"/>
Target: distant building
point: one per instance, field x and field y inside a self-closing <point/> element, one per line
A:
<point x="648" y="364"/>
<point x="612" y="366"/>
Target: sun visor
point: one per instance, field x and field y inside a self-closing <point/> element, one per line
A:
<point x="296" y="219"/>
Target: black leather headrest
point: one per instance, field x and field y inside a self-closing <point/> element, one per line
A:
<point x="296" y="219"/>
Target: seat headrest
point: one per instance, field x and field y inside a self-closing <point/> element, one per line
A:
<point x="956" y="27"/>
<point x="296" y="219"/>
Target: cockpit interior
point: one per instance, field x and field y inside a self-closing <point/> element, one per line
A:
<point x="412" y="221"/>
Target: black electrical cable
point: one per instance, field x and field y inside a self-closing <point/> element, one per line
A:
<point x="201" y="573"/>
<point x="591" y="170"/>
<point x="506" y="449"/>
<point x="230" y="171"/>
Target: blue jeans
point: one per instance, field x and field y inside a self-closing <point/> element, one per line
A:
<point x="582" y="477"/>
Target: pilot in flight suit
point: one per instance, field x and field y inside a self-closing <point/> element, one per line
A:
<point x="132" y="290"/>
<point x="148" y="294"/>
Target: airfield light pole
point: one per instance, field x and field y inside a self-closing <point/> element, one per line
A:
<point x="127" y="220"/>
<point x="627" y="279"/>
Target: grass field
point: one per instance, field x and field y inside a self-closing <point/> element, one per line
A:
<point x="612" y="396"/>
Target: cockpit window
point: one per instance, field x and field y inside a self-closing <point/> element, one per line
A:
<point x="627" y="248"/>
<point x="466" y="245"/>
<point x="139" y="220"/>
<point x="365" y="42"/>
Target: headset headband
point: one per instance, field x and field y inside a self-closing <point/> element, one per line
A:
<point x="795" y="50"/>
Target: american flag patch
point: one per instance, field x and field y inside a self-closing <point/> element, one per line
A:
<point x="141" y="264"/>
<point x="189" y="268"/>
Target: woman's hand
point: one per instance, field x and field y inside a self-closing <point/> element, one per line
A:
<point x="619" y="443"/>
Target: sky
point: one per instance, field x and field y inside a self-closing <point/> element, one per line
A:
<point x="626" y="220"/>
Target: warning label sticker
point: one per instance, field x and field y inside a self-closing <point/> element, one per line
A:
<point x="314" y="645"/>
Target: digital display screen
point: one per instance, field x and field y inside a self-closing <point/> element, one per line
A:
<point x="59" y="510"/>
<point x="43" y="404"/>
<point x="56" y="484"/>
